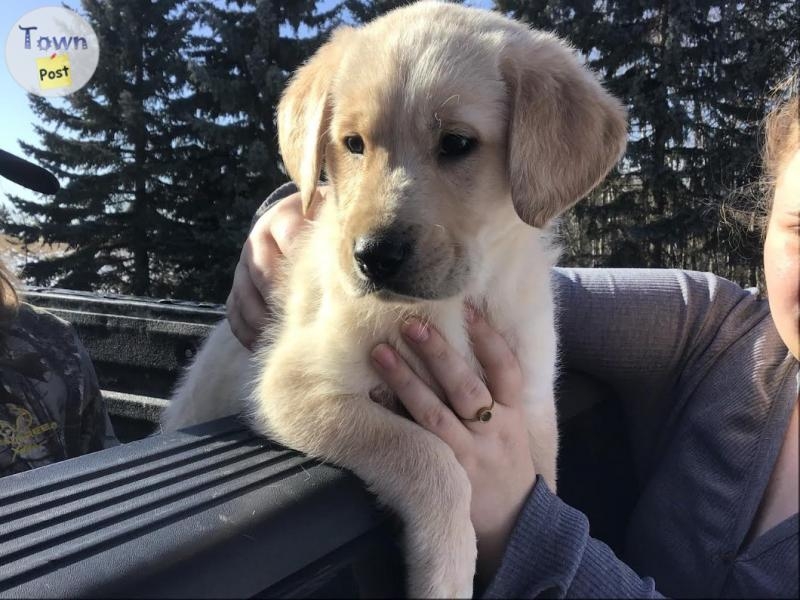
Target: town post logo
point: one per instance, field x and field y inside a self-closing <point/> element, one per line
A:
<point x="52" y="51"/>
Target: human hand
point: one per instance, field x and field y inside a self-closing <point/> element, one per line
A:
<point x="270" y="240"/>
<point x="495" y="454"/>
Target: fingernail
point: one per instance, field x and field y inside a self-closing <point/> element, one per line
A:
<point x="415" y="330"/>
<point x="384" y="356"/>
<point x="470" y="314"/>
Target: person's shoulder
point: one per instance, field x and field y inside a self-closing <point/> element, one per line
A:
<point x="701" y="304"/>
<point x="735" y="306"/>
<point x="46" y="334"/>
<point x="716" y="284"/>
<point x="729" y="319"/>
<point x="682" y="281"/>
<point x="42" y="324"/>
<point x="31" y="315"/>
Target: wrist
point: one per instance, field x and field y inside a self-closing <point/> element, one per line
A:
<point x="493" y="538"/>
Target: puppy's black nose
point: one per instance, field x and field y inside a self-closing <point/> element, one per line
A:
<point x="380" y="257"/>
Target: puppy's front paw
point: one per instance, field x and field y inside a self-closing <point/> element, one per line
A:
<point x="442" y="566"/>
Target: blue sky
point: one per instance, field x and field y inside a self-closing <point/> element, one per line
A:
<point x="17" y="122"/>
<point x="17" y="118"/>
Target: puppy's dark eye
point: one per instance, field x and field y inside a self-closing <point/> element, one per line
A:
<point x="354" y="144"/>
<point x="452" y="145"/>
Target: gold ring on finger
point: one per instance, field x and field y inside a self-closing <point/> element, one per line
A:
<point x="483" y="414"/>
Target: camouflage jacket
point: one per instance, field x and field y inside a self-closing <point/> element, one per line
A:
<point x="50" y="403"/>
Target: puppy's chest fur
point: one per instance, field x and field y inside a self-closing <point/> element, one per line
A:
<point x="510" y="284"/>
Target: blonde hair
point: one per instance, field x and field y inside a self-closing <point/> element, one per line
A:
<point x="781" y="135"/>
<point x="750" y="206"/>
<point x="9" y="299"/>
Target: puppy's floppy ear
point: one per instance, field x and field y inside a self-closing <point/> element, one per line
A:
<point x="565" y="132"/>
<point x="304" y="114"/>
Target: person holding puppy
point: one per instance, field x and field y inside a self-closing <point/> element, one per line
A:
<point x="707" y="376"/>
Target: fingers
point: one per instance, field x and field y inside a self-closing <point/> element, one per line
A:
<point x="245" y="308"/>
<point x="247" y="337"/>
<point x="419" y="400"/>
<point x="287" y="221"/>
<point x="271" y="238"/>
<point x="464" y="389"/>
<point x="500" y="365"/>
<point x="260" y="258"/>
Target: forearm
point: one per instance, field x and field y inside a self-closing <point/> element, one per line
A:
<point x="550" y="553"/>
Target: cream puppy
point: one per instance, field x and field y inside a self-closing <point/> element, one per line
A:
<point x="451" y="138"/>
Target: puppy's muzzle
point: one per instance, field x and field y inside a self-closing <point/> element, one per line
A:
<point x="380" y="257"/>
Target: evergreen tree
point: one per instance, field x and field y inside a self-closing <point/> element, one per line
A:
<point x="240" y="54"/>
<point x="166" y="153"/>
<point x="696" y="78"/>
<point x="364" y="11"/>
<point x="115" y="147"/>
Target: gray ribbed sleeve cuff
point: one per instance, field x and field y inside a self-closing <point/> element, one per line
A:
<point x="550" y="554"/>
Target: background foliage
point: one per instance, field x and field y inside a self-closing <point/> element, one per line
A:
<point x="165" y="155"/>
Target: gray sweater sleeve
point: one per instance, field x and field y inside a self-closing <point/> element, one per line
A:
<point x="648" y="333"/>
<point x="551" y="555"/>
<point x="630" y="329"/>
<point x="652" y="336"/>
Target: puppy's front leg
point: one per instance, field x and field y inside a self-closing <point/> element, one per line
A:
<point x="406" y="467"/>
<point x="540" y="408"/>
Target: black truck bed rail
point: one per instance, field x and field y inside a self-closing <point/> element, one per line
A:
<point x="208" y="512"/>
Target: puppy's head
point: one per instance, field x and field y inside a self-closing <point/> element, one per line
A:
<point x="439" y="127"/>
